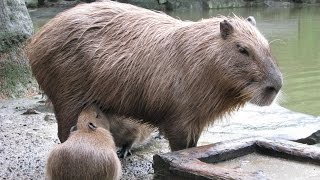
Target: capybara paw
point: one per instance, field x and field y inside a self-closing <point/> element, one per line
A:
<point x="123" y="153"/>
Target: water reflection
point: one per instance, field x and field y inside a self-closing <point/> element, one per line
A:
<point x="295" y="37"/>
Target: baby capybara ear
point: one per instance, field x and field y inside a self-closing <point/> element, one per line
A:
<point x="92" y="126"/>
<point x="225" y="29"/>
<point x="252" y="20"/>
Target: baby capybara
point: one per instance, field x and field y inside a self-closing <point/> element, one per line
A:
<point x="126" y="132"/>
<point x="177" y="75"/>
<point x="88" y="154"/>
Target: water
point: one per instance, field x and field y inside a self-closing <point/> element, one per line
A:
<point x="273" y="167"/>
<point x="295" y="37"/>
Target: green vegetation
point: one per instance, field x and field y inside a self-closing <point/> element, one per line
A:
<point x="15" y="75"/>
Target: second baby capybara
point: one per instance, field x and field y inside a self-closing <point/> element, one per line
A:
<point x="177" y="75"/>
<point x="126" y="132"/>
<point x="89" y="152"/>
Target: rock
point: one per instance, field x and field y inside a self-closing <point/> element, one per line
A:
<point x="15" y="23"/>
<point x="311" y="140"/>
<point x="50" y="118"/>
<point x="162" y="1"/>
<point x="30" y="111"/>
<point x="32" y="3"/>
<point x="214" y="4"/>
<point x="15" y="27"/>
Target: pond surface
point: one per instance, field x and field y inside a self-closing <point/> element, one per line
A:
<point x="295" y="37"/>
<point x="273" y="167"/>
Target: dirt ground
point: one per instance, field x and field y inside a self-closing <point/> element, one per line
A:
<point x="25" y="140"/>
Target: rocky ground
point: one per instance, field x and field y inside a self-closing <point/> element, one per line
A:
<point x="25" y="140"/>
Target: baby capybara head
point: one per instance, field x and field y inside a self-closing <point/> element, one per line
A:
<point x="247" y="62"/>
<point x="87" y="120"/>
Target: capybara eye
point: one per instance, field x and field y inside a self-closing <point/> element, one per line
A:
<point x="243" y="50"/>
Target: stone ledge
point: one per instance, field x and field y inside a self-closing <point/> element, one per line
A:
<point x="200" y="162"/>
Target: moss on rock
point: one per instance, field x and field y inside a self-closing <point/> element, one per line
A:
<point x="15" y="75"/>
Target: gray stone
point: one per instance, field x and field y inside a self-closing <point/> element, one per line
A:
<point x="15" y="27"/>
<point x="31" y="3"/>
<point x="15" y="24"/>
<point x="214" y="4"/>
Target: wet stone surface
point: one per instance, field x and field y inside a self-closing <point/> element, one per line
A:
<point x="25" y="140"/>
<point x="286" y="169"/>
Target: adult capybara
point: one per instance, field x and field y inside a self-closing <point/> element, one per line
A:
<point x="89" y="153"/>
<point x="179" y="76"/>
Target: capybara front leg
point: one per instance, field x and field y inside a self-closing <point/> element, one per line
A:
<point x="65" y="123"/>
<point x="64" y="129"/>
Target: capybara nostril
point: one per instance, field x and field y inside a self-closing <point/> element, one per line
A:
<point x="271" y="89"/>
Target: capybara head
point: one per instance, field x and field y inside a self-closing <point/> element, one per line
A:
<point x="246" y="61"/>
<point x="89" y="118"/>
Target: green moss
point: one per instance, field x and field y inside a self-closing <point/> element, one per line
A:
<point x="32" y="3"/>
<point x="15" y="75"/>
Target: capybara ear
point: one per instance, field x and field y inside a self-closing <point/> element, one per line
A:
<point x="252" y="20"/>
<point x="225" y="29"/>
<point x="92" y="126"/>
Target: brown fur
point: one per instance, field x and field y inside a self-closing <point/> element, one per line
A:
<point x="89" y="153"/>
<point x="126" y="132"/>
<point x="179" y="76"/>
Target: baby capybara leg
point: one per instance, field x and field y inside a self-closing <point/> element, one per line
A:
<point x="125" y="151"/>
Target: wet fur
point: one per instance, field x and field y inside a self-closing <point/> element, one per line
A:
<point x="89" y="153"/>
<point x="127" y="133"/>
<point x="179" y="76"/>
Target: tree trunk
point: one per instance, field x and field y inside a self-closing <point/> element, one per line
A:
<point x="15" y="28"/>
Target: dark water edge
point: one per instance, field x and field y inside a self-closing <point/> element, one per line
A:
<point x="294" y="34"/>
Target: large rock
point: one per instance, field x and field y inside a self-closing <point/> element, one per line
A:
<point x="15" y="24"/>
<point x="31" y="3"/>
<point x="214" y="4"/>
<point x="15" y="28"/>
